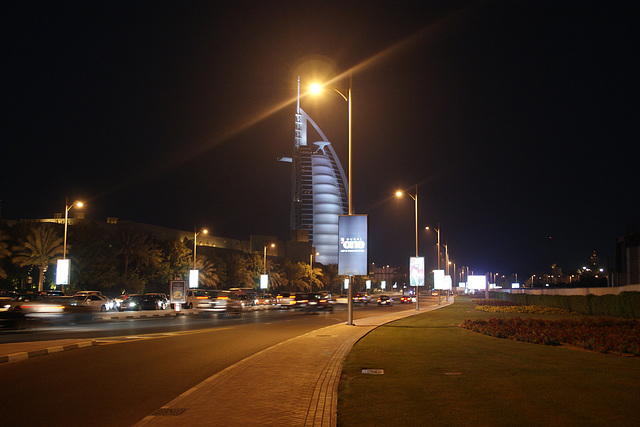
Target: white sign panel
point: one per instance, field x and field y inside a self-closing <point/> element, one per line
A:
<point x="62" y="272"/>
<point x="346" y="283"/>
<point x="264" y="281"/>
<point x="438" y="279"/>
<point x="383" y="284"/>
<point x="477" y="282"/>
<point x="368" y="282"/>
<point x="193" y="278"/>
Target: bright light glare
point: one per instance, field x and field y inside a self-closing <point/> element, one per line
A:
<point x="205" y="231"/>
<point x="315" y="88"/>
<point x="399" y="193"/>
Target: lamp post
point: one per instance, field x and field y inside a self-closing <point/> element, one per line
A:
<point x="311" y="258"/>
<point x="195" y="239"/>
<point x="437" y="230"/>
<point x="264" y="263"/>
<point x="63" y="266"/>
<point x="316" y="88"/>
<point x="67" y="208"/>
<point x="415" y="202"/>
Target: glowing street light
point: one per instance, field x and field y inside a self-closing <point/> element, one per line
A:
<point x="415" y="200"/>
<point x="67" y="208"/>
<point x="63" y="267"/>
<point x="311" y="258"/>
<point x="316" y="89"/>
<point x="437" y="230"/>
<point x="264" y="264"/>
<point x="195" y="239"/>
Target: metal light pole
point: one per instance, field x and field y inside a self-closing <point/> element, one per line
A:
<point x="264" y="261"/>
<point x="415" y="200"/>
<point x="348" y="98"/>
<point x="437" y="230"/>
<point x="195" y="238"/>
<point x="67" y="208"/>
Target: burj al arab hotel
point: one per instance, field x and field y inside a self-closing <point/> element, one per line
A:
<point x="319" y="188"/>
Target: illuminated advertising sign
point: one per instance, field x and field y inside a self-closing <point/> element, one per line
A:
<point x="416" y="271"/>
<point x="62" y="272"/>
<point x="178" y="291"/>
<point x="438" y="279"/>
<point x="383" y="284"/>
<point x="352" y="245"/>
<point x="346" y="283"/>
<point x="193" y="278"/>
<point x="447" y="282"/>
<point x="477" y="282"/>
<point x="515" y="285"/>
<point x="368" y="282"/>
<point x="264" y="281"/>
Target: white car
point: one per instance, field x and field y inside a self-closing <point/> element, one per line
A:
<point x="93" y="302"/>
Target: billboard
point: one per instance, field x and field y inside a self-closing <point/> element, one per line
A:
<point x="178" y="291"/>
<point x="352" y="245"/>
<point x="477" y="282"/>
<point x="438" y="279"/>
<point x="264" y="281"/>
<point x="62" y="272"/>
<point x="416" y="271"/>
<point x="193" y="278"/>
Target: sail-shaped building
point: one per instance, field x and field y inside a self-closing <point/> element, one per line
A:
<point x="319" y="188"/>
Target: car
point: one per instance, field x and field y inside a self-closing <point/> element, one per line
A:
<point x="286" y="300"/>
<point x="220" y="302"/>
<point x="152" y="302"/>
<point x="162" y="297"/>
<point x="342" y="299"/>
<point x="313" y="301"/>
<point x="405" y="299"/>
<point x="246" y="300"/>
<point x="385" y="300"/>
<point x="31" y="306"/>
<point x="435" y="293"/>
<point x="360" y="299"/>
<point x="265" y="299"/>
<point x="91" y="302"/>
<point x="85" y="293"/>
<point x="131" y="303"/>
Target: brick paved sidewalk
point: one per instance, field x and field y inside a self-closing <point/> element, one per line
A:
<point x="294" y="383"/>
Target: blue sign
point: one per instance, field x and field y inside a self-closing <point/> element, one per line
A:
<point x="352" y="245"/>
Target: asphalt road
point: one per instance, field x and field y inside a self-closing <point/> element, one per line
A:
<point x="142" y="364"/>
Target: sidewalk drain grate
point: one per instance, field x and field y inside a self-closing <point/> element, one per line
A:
<point x="164" y="412"/>
<point x="373" y="371"/>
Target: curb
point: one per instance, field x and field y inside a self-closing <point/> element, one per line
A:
<point x="15" y="357"/>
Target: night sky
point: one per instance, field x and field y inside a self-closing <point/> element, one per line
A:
<point x="518" y="120"/>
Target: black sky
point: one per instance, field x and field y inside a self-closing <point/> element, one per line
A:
<point x="518" y="120"/>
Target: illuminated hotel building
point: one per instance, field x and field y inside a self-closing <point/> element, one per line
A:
<point x="319" y="189"/>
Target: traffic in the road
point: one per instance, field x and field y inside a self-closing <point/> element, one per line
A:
<point x="140" y="363"/>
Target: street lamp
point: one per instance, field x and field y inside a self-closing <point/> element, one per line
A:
<point x="311" y="258"/>
<point x="437" y="230"/>
<point x="264" y="264"/>
<point x="316" y="88"/>
<point x="63" y="268"/>
<point x="415" y="200"/>
<point x="195" y="239"/>
<point x="67" y="208"/>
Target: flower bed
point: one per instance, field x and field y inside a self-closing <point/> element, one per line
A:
<point x="502" y="306"/>
<point x="603" y="335"/>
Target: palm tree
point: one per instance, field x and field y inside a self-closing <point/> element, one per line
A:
<point x="238" y="273"/>
<point x="4" y="251"/>
<point x="39" y="248"/>
<point x="209" y="274"/>
<point x="134" y="246"/>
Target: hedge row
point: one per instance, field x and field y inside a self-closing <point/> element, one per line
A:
<point x="626" y="304"/>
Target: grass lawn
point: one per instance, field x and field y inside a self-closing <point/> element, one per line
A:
<point x="436" y="373"/>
